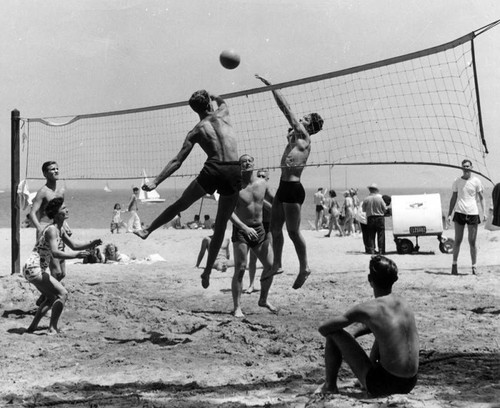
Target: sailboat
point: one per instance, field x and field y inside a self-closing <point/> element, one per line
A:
<point x="107" y="189"/>
<point x="149" y="196"/>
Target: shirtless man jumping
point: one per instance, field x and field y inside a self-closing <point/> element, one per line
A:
<point x="287" y="204"/>
<point x="249" y="233"/>
<point x="220" y="172"/>
<point x="392" y="365"/>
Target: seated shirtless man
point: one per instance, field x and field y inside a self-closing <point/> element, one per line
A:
<point x="220" y="172"/>
<point x="392" y="365"/>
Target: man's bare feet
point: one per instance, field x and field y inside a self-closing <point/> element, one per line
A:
<point x="205" y="279"/>
<point x="238" y="313"/>
<point x="250" y="290"/>
<point x="323" y="389"/>
<point x="54" y="331"/>
<point x="267" y="305"/>
<point x="142" y="233"/>
<point x="301" y="278"/>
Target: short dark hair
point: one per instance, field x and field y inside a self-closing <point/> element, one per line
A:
<point x="53" y="207"/>
<point x="135" y="189"/>
<point x="332" y="193"/>
<point x="200" y="101"/>
<point x="46" y="165"/>
<point x="207" y="217"/>
<point x="466" y="161"/>
<point x="383" y="271"/>
<point x="246" y="155"/>
<point x="316" y="123"/>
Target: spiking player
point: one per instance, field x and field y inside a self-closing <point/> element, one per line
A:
<point x="220" y="172"/>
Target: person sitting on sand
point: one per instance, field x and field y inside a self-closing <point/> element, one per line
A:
<point x="392" y="365"/>
<point x="223" y="260"/>
<point x="50" y="246"/>
<point x="111" y="254"/>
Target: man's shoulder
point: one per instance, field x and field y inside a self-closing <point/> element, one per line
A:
<point x="476" y="180"/>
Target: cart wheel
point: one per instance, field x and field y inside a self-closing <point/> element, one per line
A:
<point x="446" y="246"/>
<point x="404" y="246"/>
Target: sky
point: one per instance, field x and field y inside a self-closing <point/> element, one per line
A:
<point x="69" y="57"/>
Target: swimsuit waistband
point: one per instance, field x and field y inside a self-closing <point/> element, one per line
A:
<point x="223" y="162"/>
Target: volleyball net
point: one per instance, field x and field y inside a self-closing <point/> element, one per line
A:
<point x="419" y="108"/>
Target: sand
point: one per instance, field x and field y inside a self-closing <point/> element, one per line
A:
<point x="147" y="335"/>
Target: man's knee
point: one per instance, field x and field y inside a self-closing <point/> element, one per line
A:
<point x="294" y="234"/>
<point x="239" y="272"/>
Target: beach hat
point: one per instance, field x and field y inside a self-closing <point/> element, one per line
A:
<point x="373" y="186"/>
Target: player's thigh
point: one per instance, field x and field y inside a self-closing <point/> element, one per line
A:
<point x="352" y="353"/>
<point x="277" y="214"/>
<point x="50" y="286"/>
<point x="240" y="250"/>
<point x="264" y="254"/>
<point x="459" y="231"/>
<point x="292" y="216"/>
<point x="472" y="232"/>
<point x="225" y="208"/>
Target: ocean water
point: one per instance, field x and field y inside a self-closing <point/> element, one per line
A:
<point x="94" y="208"/>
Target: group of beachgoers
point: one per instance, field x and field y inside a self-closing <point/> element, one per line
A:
<point x="258" y="215"/>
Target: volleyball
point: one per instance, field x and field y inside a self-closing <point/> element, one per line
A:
<point x="229" y="59"/>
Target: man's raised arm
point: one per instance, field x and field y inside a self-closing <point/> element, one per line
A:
<point x="174" y="164"/>
<point x="284" y="106"/>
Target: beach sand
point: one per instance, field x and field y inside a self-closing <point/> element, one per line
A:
<point x="147" y="335"/>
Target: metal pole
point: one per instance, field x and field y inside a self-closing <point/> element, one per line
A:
<point x="14" y="202"/>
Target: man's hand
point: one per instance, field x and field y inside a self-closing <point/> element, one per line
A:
<point x="262" y="79"/>
<point x="448" y="220"/>
<point x="82" y="254"/>
<point x="96" y="243"/>
<point x="251" y="234"/>
<point x="149" y="186"/>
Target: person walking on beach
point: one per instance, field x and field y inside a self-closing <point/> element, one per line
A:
<point x="116" y="221"/>
<point x="287" y="203"/>
<point x="333" y="210"/>
<point x="375" y="209"/>
<point x="50" y="247"/>
<point x="319" y="202"/>
<point x="249" y="233"/>
<point x="392" y="366"/>
<point x="348" y="210"/>
<point x="221" y="172"/>
<point x="134" y="222"/>
<point x="266" y="222"/>
<point x="466" y="192"/>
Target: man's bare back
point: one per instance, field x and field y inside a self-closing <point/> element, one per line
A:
<point x="215" y="136"/>
<point x="393" y="325"/>
<point x="392" y="366"/>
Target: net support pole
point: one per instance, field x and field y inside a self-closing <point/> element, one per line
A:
<point x="14" y="202"/>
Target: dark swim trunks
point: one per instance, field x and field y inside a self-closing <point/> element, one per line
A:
<point x="468" y="219"/>
<point x="240" y="236"/>
<point x="225" y="177"/>
<point x="291" y="192"/>
<point x="380" y="382"/>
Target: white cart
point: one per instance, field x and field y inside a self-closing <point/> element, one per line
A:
<point x="415" y="216"/>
